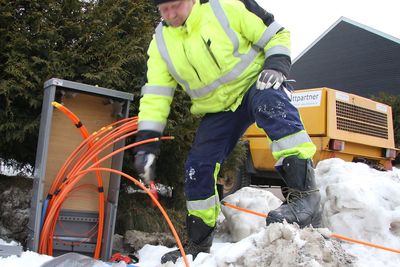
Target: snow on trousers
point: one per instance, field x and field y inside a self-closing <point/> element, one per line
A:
<point x="218" y="134"/>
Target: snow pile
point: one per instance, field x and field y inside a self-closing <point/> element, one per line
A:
<point x="362" y="203"/>
<point x="27" y="258"/>
<point x="282" y="245"/>
<point x="240" y="224"/>
<point x="357" y="202"/>
<point x="11" y="243"/>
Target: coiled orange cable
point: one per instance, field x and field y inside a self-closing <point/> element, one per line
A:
<point x="48" y="246"/>
<point x="102" y="139"/>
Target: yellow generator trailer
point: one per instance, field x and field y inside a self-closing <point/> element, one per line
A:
<point x="341" y="125"/>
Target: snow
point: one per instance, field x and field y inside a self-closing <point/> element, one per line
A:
<point x="358" y="202"/>
<point x="8" y="170"/>
<point x="27" y="258"/>
<point x="5" y="243"/>
<point x="364" y="204"/>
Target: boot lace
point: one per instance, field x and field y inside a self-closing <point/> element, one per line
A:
<point x="292" y="194"/>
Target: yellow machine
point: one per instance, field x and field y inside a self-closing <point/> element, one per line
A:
<point x="341" y="125"/>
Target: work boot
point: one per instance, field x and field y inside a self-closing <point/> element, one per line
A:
<point x="200" y="240"/>
<point x="302" y="205"/>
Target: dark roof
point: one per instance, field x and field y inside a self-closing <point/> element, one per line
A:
<point x="350" y="57"/>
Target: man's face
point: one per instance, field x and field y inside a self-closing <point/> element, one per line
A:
<point x="176" y="12"/>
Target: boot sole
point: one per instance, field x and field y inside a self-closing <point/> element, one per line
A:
<point x="315" y="221"/>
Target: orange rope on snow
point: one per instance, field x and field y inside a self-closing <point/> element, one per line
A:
<point x="342" y="237"/>
<point x="345" y="238"/>
<point x="243" y="209"/>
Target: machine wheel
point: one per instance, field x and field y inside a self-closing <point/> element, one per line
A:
<point x="233" y="180"/>
<point x="372" y="163"/>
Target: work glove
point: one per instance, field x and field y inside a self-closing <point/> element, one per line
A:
<point x="145" y="155"/>
<point x="270" y="78"/>
<point x="145" y="165"/>
<point x="152" y="147"/>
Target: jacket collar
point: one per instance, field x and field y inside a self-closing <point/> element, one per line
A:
<point x="194" y="17"/>
<point x="190" y="23"/>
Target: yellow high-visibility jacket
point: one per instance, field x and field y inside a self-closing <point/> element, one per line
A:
<point x="215" y="57"/>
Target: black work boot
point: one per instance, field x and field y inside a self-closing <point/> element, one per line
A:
<point x="200" y="240"/>
<point x="302" y="205"/>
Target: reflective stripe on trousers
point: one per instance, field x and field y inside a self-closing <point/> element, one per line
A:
<point x="218" y="134"/>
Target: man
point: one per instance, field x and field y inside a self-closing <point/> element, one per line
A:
<point x="232" y="60"/>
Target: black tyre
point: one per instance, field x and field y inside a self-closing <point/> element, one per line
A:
<point x="233" y="180"/>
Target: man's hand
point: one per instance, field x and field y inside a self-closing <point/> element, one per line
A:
<point x="270" y="78"/>
<point x="145" y="165"/>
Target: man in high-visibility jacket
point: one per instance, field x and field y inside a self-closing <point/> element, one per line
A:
<point x="232" y="58"/>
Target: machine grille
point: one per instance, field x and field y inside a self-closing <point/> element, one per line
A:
<point x="361" y="120"/>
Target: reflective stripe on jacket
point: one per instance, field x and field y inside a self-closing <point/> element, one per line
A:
<point x="215" y="57"/>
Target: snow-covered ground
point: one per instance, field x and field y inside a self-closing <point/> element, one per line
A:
<point x="358" y="202"/>
<point x="26" y="171"/>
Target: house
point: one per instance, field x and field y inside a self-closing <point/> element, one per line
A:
<point x="350" y="57"/>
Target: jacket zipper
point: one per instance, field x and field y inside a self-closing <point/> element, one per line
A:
<point x="208" y="46"/>
<point x="184" y="50"/>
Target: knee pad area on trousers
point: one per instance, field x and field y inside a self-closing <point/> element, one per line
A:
<point x="275" y="114"/>
<point x="199" y="180"/>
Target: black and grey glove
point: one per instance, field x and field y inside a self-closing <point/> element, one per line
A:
<point x="270" y="78"/>
<point x="145" y="155"/>
<point x="145" y="165"/>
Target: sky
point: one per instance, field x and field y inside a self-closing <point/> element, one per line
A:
<point x="357" y="202"/>
<point x="309" y="19"/>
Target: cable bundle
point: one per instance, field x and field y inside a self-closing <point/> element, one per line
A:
<point x="78" y="165"/>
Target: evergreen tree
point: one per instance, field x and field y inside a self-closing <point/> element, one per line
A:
<point x="94" y="42"/>
<point x="114" y="45"/>
<point x="38" y="41"/>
